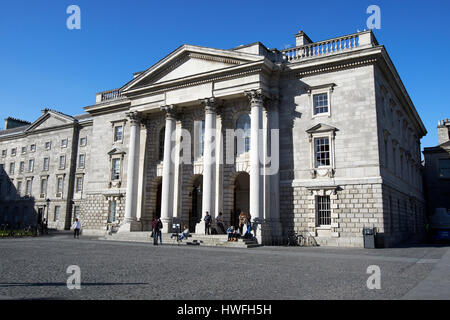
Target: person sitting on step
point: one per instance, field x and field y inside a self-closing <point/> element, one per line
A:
<point x="184" y="234"/>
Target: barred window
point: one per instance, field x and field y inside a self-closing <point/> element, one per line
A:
<point x="322" y="152"/>
<point x="320" y="103"/>
<point x="323" y="211"/>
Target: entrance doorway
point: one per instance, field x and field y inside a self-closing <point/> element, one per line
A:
<point x="158" y="200"/>
<point x="241" y="197"/>
<point x="195" y="215"/>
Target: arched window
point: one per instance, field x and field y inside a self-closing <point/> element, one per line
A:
<point x="243" y="123"/>
<point x="162" y="134"/>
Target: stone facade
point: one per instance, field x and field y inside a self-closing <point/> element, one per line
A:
<point x="437" y="171"/>
<point x="331" y="144"/>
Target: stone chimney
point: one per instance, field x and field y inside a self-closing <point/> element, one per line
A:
<point x="301" y="39"/>
<point x="443" y="131"/>
<point x="15" y="123"/>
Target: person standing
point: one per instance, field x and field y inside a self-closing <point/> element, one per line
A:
<point x="155" y="231"/>
<point x="207" y="220"/>
<point x="242" y="221"/>
<point x="76" y="229"/>
<point x="249" y="225"/>
<point x="160" y="226"/>
<point x="219" y="221"/>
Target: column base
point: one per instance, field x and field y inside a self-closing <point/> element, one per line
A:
<point x="129" y="226"/>
<point x="200" y="227"/>
<point x="266" y="232"/>
<point x="167" y="225"/>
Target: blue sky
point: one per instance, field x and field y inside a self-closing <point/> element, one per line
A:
<point x="43" y="64"/>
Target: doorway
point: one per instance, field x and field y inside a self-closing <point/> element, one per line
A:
<point x="241" y="197"/>
<point x="195" y="215"/>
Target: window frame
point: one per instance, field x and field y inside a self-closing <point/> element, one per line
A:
<point x="63" y="167"/>
<point x="319" y="208"/>
<point x="49" y="143"/>
<point x="440" y="168"/>
<point x="119" y="174"/>
<point x="64" y="143"/>
<point x="318" y="90"/>
<point x="81" y="165"/>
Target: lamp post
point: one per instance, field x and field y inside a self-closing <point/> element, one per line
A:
<point x="46" y="220"/>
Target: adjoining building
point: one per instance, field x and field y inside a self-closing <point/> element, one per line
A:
<point x="321" y="137"/>
<point x="437" y="176"/>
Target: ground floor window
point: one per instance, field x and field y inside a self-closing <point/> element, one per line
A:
<point x="323" y="211"/>
<point x="112" y="211"/>
<point x="57" y="212"/>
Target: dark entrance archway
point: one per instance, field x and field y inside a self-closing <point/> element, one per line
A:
<point x="158" y="200"/>
<point x="241" y="196"/>
<point x="195" y="215"/>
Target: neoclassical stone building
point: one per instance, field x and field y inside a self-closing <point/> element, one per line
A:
<point x="322" y="137"/>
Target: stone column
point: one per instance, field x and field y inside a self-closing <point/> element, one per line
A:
<point x="256" y="178"/>
<point x="274" y="177"/>
<point x="209" y="185"/>
<point x="167" y="178"/>
<point x="132" y="173"/>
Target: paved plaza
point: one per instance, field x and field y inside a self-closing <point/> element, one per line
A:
<point x="35" y="268"/>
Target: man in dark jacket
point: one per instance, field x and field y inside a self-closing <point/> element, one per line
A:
<point x="207" y="220"/>
<point x="155" y="227"/>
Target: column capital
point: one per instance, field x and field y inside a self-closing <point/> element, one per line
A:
<point x="170" y="111"/>
<point x="210" y="104"/>
<point x="255" y="96"/>
<point x="135" y="117"/>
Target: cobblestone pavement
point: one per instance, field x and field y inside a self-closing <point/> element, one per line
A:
<point x="35" y="268"/>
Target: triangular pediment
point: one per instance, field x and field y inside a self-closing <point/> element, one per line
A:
<point x="321" y="128"/>
<point x="189" y="61"/>
<point x="50" y="119"/>
<point x="116" y="151"/>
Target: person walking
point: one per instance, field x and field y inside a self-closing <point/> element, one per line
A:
<point x="207" y="220"/>
<point x="219" y="221"/>
<point x="76" y="229"/>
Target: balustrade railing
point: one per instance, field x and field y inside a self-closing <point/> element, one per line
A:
<point x="108" y="95"/>
<point x="328" y="47"/>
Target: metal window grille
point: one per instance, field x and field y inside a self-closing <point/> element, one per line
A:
<point x="322" y="152"/>
<point x="323" y="210"/>
<point x="320" y="103"/>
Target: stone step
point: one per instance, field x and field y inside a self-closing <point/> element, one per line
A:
<point x="195" y="239"/>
